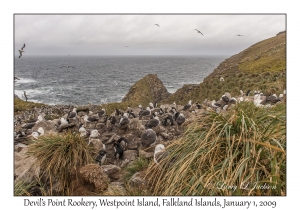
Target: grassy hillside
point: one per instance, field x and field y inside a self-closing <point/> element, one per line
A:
<point x="262" y="66"/>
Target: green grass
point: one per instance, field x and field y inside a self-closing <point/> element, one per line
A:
<point x="137" y="165"/>
<point x="20" y="105"/>
<point x="246" y="145"/>
<point x="59" y="158"/>
<point x="21" y="188"/>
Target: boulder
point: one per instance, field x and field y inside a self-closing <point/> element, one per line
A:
<point x="137" y="180"/>
<point x="112" y="171"/>
<point x="25" y="167"/>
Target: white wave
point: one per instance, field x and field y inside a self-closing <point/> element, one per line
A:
<point x="25" y="80"/>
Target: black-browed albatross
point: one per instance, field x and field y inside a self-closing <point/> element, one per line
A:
<point x="21" y="50"/>
<point x="199" y="32"/>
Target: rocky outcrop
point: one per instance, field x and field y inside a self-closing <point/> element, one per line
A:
<point x="25" y="167"/>
<point x="148" y="89"/>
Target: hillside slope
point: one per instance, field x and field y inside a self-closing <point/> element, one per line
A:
<point x="262" y="67"/>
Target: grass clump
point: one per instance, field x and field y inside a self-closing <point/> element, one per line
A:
<point x="21" y="188"/>
<point x="20" y="105"/>
<point x="244" y="148"/>
<point x="137" y="165"/>
<point x="59" y="158"/>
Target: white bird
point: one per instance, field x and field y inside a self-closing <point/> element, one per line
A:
<point x="72" y="115"/>
<point x="158" y="152"/>
<point x="188" y="106"/>
<point x="257" y="101"/>
<point x="94" y="134"/>
<point x="38" y="133"/>
<point x="40" y="119"/>
<point x="63" y="122"/>
<point x="82" y="130"/>
<point x="21" y="50"/>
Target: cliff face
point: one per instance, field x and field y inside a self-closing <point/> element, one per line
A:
<point x="148" y="89"/>
<point x="262" y="67"/>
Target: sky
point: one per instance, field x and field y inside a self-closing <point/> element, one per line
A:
<point x="109" y="34"/>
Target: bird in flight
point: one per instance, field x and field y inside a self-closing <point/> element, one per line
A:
<point x="199" y="32"/>
<point x="21" y="50"/>
<point x="239" y="35"/>
<point x="126" y="46"/>
<point x="157" y="25"/>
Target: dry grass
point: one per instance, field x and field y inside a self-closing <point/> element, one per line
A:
<point x="60" y="157"/>
<point x="244" y="146"/>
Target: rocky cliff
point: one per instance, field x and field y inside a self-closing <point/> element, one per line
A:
<point x="148" y="89"/>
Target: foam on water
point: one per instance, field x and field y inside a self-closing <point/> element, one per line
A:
<point x="104" y="79"/>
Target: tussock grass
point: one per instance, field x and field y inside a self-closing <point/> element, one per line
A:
<point x="59" y="158"/>
<point x="126" y="190"/>
<point x="137" y="165"/>
<point x="243" y="148"/>
<point x="21" y="188"/>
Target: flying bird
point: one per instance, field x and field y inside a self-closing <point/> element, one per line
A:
<point x="239" y="35"/>
<point x="126" y="46"/>
<point x="199" y="32"/>
<point x="157" y="25"/>
<point x="21" y="50"/>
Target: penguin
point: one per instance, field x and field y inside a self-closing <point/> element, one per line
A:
<point x="123" y="142"/>
<point x="168" y="121"/>
<point x="248" y="92"/>
<point x="118" y="150"/>
<point x="112" y="120"/>
<point x="131" y="114"/>
<point x="101" y="157"/>
<point x="161" y="112"/>
<point x="176" y="115"/>
<point x="198" y="106"/>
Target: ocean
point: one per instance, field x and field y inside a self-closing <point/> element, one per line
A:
<point x="103" y="79"/>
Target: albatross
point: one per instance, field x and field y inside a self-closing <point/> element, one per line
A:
<point x="21" y="50"/>
<point x="199" y="32"/>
